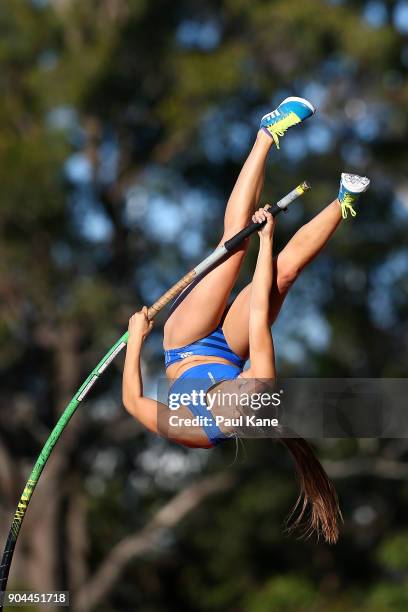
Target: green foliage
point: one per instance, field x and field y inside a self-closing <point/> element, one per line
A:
<point x="285" y="594"/>
<point x="392" y="553"/>
<point x="385" y="597"/>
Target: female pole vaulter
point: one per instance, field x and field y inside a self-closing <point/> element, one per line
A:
<point x="207" y="342"/>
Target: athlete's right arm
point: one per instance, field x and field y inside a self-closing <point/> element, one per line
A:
<point x="261" y="350"/>
<point x="141" y="408"/>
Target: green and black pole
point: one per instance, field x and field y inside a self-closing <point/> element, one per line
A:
<point x="173" y="292"/>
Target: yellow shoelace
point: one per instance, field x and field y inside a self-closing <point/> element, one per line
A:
<point x="346" y="205"/>
<point x="278" y="129"/>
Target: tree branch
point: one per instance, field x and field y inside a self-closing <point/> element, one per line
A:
<point x="77" y="541"/>
<point x="98" y="586"/>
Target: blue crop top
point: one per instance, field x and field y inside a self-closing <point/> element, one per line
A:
<point x="201" y="378"/>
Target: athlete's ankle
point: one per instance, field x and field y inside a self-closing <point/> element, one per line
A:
<point x="263" y="138"/>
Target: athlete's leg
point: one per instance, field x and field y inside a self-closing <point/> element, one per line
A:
<point x="201" y="309"/>
<point x="305" y="245"/>
<point x="247" y="190"/>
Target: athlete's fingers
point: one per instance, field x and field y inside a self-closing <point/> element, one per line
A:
<point x="271" y="221"/>
<point x="145" y="313"/>
<point x="259" y="216"/>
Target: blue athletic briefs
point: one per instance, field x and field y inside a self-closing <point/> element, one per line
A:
<point x="214" y="345"/>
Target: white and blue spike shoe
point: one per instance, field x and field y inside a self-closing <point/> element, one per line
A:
<point x="351" y="187"/>
<point x="289" y="113"/>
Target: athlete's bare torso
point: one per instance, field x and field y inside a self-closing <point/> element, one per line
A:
<point x="175" y="370"/>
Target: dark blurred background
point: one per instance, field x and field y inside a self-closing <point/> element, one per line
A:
<point x="124" y="124"/>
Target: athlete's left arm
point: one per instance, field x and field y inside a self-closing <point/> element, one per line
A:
<point x="141" y="408"/>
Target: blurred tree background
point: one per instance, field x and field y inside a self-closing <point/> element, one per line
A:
<point x="124" y="124"/>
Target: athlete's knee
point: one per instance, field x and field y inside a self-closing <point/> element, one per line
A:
<point x="231" y="229"/>
<point x="287" y="273"/>
<point x="228" y="234"/>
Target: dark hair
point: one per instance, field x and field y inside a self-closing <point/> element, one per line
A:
<point x="316" y="492"/>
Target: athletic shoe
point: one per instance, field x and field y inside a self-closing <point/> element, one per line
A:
<point x="289" y="112"/>
<point x="351" y="186"/>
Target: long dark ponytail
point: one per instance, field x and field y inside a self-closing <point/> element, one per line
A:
<point x="317" y="497"/>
